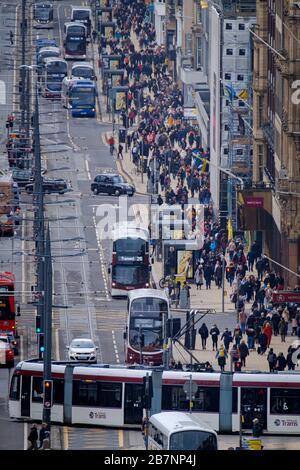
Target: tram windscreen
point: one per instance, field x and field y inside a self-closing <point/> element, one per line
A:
<point x="146" y="323"/>
<point x="193" y="440"/>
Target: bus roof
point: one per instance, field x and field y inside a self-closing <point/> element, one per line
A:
<point x="83" y="82"/>
<point x="7" y="277"/>
<point x="83" y="64"/>
<point x="74" y="23"/>
<point x="78" y="7"/>
<point x="45" y="41"/>
<point x="174" y="421"/>
<point x="126" y="231"/>
<point x="54" y="59"/>
<point x="142" y="293"/>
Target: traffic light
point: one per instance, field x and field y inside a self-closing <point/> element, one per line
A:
<point x="38" y="324"/>
<point x="48" y="393"/>
<point x="147" y="392"/>
<point x="41" y="342"/>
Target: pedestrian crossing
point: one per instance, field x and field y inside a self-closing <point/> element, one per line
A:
<point x="93" y="439"/>
<point x="106" y="319"/>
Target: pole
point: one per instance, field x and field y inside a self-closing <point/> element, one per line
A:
<point x="23" y="60"/>
<point x="190" y="394"/>
<point x="27" y="110"/>
<point x="48" y="320"/>
<point x="147" y="393"/>
<point x="223" y="282"/>
<point x="140" y="338"/>
<point x="165" y="343"/>
<point x="241" y="430"/>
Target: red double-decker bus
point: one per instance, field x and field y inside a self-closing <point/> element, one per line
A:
<point x="7" y="302"/>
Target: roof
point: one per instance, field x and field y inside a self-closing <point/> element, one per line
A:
<point x="49" y="48"/>
<point x="54" y="59"/>
<point x="174" y="421"/>
<point x="82" y="64"/>
<point x="78" y="7"/>
<point x="74" y="23"/>
<point x="142" y="293"/>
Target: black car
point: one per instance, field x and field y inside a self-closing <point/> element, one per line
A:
<point x="22" y="177"/>
<point x="111" y="184"/>
<point x="50" y="186"/>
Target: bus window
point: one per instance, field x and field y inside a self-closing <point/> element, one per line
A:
<point x="284" y="402"/>
<point x="37" y="389"/>
<point x="14" y="393"/>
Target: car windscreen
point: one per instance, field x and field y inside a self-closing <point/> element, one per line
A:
<point x="82" y="344"/>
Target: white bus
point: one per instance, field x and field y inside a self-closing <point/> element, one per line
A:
<point x="175" y="430"/>
<point x="83" y="70"/>
<point x="82" y="15"/>
<point x="43" y="15"/>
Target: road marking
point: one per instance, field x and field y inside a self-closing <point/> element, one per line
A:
<point x="115" y="346"/>
<point x="57" y="344"/>
<point x="66" y="438"/>
<point x="101" y="256"/>
<point x="88" y="170"/>
<point x="121" y="438"/>
<point x="25" y="436"/>
<point x="21" y="347"/>
<point x="15" y="60"/>
<point x="23" y="259"/>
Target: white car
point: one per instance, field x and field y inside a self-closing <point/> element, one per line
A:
<point x="82" y="350"/>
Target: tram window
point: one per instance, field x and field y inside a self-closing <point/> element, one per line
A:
<point x="234" y="399"/>
<point x="84" y="393"/>
<point x="15" y="388"/>
<point x="37" y="389"/>
<point x="285" y="402"/>
<point x="58" y="391"/>
<point x="205" y="399"/>
<point x="110" y="394"/>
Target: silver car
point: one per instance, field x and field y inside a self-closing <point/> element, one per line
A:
<point x="82" y="350"/>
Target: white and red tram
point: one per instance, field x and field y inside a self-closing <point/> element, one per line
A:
<point x="104" y="395"/>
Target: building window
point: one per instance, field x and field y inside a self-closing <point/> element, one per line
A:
<point x="199" y="59"/>
<point x="189" y="43"/>
<point x="225" y="151"/>
<point x="241" y="27"/>
<point x="227" y="102"/>
<point x="199" y="14"/>
<point x="226" y="127"/>
<point x="227" y="76"/>
<point x="228" y="26"/>
<point x="229" y="51"/>
<point x="239" y="151"/>
<point x="241" y="103"/>
<point x="240" y="77"/>
<point x="260" y="152"/>
<point x="242" y="52"/>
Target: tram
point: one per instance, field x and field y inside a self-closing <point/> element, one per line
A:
<point x="104" y="395"/>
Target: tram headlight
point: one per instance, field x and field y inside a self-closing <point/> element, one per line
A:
<point x="147" y="284"/>
<point x="113" y="284"/>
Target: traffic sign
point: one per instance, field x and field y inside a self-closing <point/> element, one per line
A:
<point x="186" y="388"/>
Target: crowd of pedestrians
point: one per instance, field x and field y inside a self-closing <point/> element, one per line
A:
<point x="169" y="149"/>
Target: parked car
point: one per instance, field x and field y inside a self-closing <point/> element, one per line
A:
<point x="82" y="350"/>
<point x="6" y="351"/>
<point x="59" y="186"/>
<point x="111" y="184"/>
<point x="22" y="177"/>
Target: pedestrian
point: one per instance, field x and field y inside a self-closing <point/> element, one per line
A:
<point x="281" y="362"/>
<point x="221" y="356"/>
<point x="218" y="272"/>
<point x="208" y="275"/>
<point x="267" y="329"/>
<point x="294" y="326"/>
<point x="43" y="434"/>
<point x="227" y="338"/>
<point x="263" y="341"/>
<point x="144" y="429"/>
<point x="244" y="352"/>
<point x="234" y="357"/>
<point x="257" y="428"/>
<point x="11" y="37"/>
<point x="94" y="34"/>
<point x="275" y="321"/>
<point x="250" y="332"/>
<point x="214" y="333"/>
<point x="203" y="332"/>
<point x="33" y="437"/>
<point x="184" y="296"/>
<point x="120" y="152"/>
<point x="289" y="358"/>
<point x="283" y="327"/>
<point x="237" y="334"/>
<point x="272" y="359"/>
<point x="199" y="277"/>
<point x="243" y="320"/>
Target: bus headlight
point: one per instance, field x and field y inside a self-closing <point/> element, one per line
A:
<point x="147" y="284"/>
<point x="113" y="284"/>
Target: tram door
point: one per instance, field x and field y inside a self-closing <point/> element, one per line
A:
<point x="254" y="405"/>
<point x="133" y="407"/>
<point x="25" y="395"/>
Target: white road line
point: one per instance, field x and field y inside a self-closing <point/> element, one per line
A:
<point x="23" y="259"/>
<point x="25" y="436"/>
<point x="115" y="346"/>
<point x="88" y="170"/>
<point x="21" y="348"/>
<point x="57" y="345"/>
<point x="15" y="59"/>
